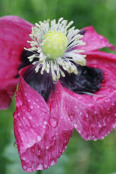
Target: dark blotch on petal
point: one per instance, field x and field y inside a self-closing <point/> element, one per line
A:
<point x="88" y="80"/>
<point x="24" y="58"/>
<point x="25" y="61"/>
<point x="42" y="83"/>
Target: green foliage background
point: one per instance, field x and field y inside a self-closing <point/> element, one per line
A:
<point x="80" y="157"/>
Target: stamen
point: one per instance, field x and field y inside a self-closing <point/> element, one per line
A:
<point x="53" y="45"/>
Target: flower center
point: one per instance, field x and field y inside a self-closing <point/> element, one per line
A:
<point x="55" y="47"/>
<point x="54" y="44"/>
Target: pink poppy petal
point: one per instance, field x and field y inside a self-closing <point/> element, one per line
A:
<point x="94" y="115"/>
<point x="14" y="33"/>
<point x="42" y="130"/>
<point x="94" y="41"/>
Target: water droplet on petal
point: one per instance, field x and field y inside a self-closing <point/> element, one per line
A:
<point x="45" y="122"/>
<point x="108" y="108"/>
<point x="24" y="158"/>
<point x="19" y="103"/>
<point x="52" y="162"/>
<point x="99" y="124"/>
<point x="18" y="114"/>
<point x="112" y="104"/>
<point x="86" y="115"/>
<point x="47" y="147"/>
<point x="75" y="125"/>
<point x="45" y="166"/>
<point x="71" y="117"/>
<point x="39" y="138"/>
<point x="104" y="123"/>
<point x="25" y="94"/>
<point x="40" y="167"/>
<point x="31" y="107"/>
<point x="24" y="167"/>
<point x="28" y="145"/>
<point x="30" y="117"/>
<point x="53" y="122"/>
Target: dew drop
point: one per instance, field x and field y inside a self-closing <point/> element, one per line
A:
<point x="40" y="167"/>
<point x="45" y="166"/>
<point x="31" y="107"/>
<point x="112" y="104"/>
<point x="30" y="117"/>
<point x="89" y="138"/>
<point x="75" y="125"/>
<point x="28" y="145"/>
<point x="86" y="115"/>
<point x="19" y="103"/>
<point x="44" y="126"/>
<point x="95" y="112"/>
<point x="104" y="123"/>
<point x="39" y="138"/>
<point x="24" y="158"/>
<point x="47" y="147"/>
<point x="99" y="124"/>
<point x="71" y="117"/>
<point x="53" y="122"/>
<point x="18" y="114"/>
<point x="52" y="162"/>
<point x="24" y="167"/>
<point x="45" y="122"/>
<point x="108" y="109"/>
<point x="25" y="94"/>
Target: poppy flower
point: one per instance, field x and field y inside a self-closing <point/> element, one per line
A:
<point x="57" y="92"/>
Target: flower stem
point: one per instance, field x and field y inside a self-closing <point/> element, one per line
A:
<point x="39" y="172"/>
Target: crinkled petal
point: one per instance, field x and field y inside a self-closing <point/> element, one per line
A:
<point x="93" y="40"/>
<point x="42" y="130"/>
<point x="14" y="33"/>
<point x="94" y="115"/>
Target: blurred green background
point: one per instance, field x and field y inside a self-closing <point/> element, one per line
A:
<point x="80" y="157"/>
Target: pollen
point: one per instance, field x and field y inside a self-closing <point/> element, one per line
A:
<point x="54" y="44"/>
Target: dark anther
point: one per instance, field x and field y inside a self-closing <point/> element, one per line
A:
<point x="82" y="32"/>
<point x="88" y="80"/>
<point x="42" y="83"/>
